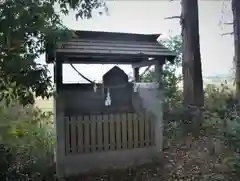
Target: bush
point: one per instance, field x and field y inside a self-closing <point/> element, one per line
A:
<point x="221" y="121"/>
<point x="26" y="137"/>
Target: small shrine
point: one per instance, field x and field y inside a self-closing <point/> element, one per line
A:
<point x="116" y="123"/>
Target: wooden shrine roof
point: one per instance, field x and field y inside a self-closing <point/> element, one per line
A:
<point x="91" y="47"/>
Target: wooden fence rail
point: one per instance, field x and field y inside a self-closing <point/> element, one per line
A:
<point x="95" y="133"/>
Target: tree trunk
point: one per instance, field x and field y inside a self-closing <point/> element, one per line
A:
<point x="192" y="68"/>
<point x="236" y="32"/>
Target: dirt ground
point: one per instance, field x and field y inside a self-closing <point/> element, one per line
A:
<point x="192" y="160"/>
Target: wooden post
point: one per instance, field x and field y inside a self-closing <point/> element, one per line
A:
<point x="59" y="119"/>
<point x="136" y="74"/>
<point x="158" y="124"/>
<point x="58" y="66"/>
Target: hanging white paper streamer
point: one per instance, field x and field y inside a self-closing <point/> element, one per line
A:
<point x="108" y="99"/>
<point x="135" y="87"/>
<point x="95" y="88"/>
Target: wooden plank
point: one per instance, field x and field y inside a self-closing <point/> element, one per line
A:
<point x="146" y="130"/>
<point x="73" y="135"/>
<point x="102" y="43"/>
<point x="99" y="133"/>
<point x="86" y="128"/>
<point x="124" y="130"/>
<point x="80" y="133"/>
<point x="112" y="132"/>
<point x="103" y="49"/>
<point x="112" y="51"/>
<point x="118" y="131"/>
<point x="130" y="130"/>
<point x="141" y="130"/>
<point x="144" y="63"/>
<point x="67" y="134"/>
<point x="93" y="123"/>
<point x="106" y="132"/>
<point x="135" y="130"/>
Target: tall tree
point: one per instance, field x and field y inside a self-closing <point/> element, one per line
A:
<point x="191" y="63"/>
<point x="192" y="67"/>
<point x="236" y="33"/>
<point x="25" y="27"/>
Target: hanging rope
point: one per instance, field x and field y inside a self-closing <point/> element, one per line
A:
<point x="146" y="70"/>
<point x="111" y="87"/>
<point x="92" y="82"/>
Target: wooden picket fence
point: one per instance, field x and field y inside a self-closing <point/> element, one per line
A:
<point x="95" y="133"/>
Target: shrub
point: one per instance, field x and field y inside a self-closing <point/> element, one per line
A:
<point x="26" y="137"/>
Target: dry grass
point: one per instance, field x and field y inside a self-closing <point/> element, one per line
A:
<point x="45" y="104"/>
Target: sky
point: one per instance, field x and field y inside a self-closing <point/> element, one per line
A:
<point x="148" y="16"/>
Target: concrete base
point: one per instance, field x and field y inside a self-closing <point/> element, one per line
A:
<point x="76" y="164"/>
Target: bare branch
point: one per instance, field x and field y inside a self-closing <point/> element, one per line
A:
<point x="224" y="34"/>
<point x="173" y="17"/>
<point x="229" y="23"/>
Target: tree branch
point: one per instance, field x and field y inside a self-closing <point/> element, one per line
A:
<point x="224" y="34"/>
<point x="173" y="17"/>
<point x="229" y="23"/>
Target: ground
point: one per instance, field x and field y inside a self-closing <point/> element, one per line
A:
<point x="191" y="160"/>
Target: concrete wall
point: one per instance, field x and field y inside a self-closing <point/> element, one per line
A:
<point x="149" y="98"/>
<point x="76" y="164"/>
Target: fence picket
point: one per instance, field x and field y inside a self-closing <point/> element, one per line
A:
<point x="80" y="134"/>
<point x="99" y="133"/>
<point x="146" y="132"/>
<point x="106" y="132"/>
<point x="112" y="132"/>
<point x="135" y="130"/>
<point x="73" y="135"/>
<point x="124" y="131"/>
<point x="118" y="131"/>
<point x="93" y="132"/>
<point x="130" y="131"/>
<point x="141" y="131"/>
<point x="88" y="134"/>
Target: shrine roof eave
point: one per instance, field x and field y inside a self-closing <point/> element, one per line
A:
<point x="111" y="59"/>
<point x="106" y="47"/>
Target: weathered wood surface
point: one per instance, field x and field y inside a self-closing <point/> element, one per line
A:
<point x="96" y="133"/>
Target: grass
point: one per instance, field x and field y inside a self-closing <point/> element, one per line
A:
<point x="45" y="104"/>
